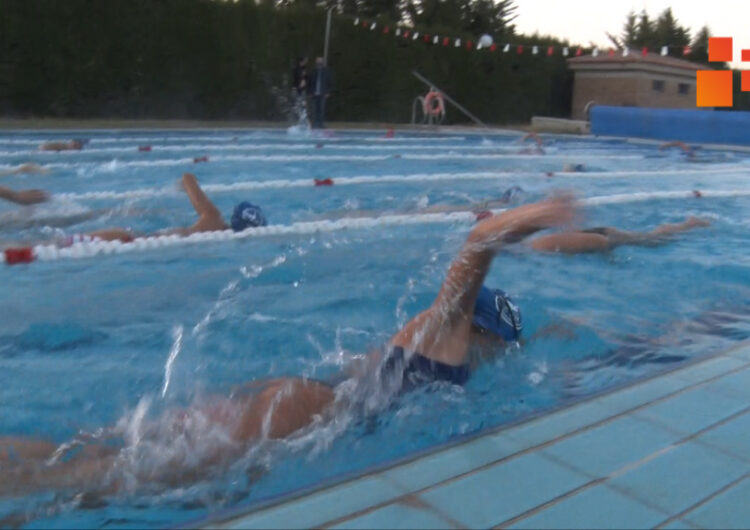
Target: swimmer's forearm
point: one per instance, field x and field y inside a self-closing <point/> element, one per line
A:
<point x="7" y="194"/>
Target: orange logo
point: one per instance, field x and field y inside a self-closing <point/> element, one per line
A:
<point x="715" y="86"/>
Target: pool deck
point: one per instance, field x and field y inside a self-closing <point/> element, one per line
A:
<point x="670" y="451"/>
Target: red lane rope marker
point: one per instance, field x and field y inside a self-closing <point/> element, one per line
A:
<point x="390" y="133"/>
<point x="200" y="159"/>
<point x="697" y="194"/>
<point x="14" y="256"/>
<point x="144" y="148"/>
<point x="324" y="182"/>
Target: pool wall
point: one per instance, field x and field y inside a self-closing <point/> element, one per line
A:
<point x="700" y="126"/>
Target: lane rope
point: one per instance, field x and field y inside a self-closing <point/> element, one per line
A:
<point x="101" y="248"/>
<point x="144" y="193"/>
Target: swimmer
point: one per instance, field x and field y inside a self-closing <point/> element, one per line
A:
<point x="245" y="215"/>
<point x="604" y="239"/>
<point x="466" y="324"/>
<point x="23" y="197"/>
<point x="686" y="149"/>
<point x="510" y="196"/>
<point x="573" y="168"/>
<point x="72" y="145"/>
<point x="538" y="150"/>
<point x="24" y="168"/>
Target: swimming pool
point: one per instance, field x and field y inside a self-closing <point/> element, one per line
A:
<point x="99" y="341"/>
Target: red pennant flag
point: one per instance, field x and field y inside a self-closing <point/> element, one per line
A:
<point x="519" y="49"/>
<point x="365" y="24"/>
<point x="550" y="50"/>
<point x="406" y="34"/>
<point x="468" y="45"/>
<point x="687" y="50"/>
<point x="446" y="41"/>
<point x="386" y="29"/>
<point x="426" y="38"/>
<point x="644" y="51"/>
<point x="579" y="52"/>
<point x="611" y="52"/>
<point x="493" y="47"/>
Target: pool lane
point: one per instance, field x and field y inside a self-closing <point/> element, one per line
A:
<point x="668" y="451"/>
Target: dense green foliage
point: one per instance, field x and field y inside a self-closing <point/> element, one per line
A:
<point x="213" y="59"/>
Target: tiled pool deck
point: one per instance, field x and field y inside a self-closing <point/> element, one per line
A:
<point x="672" y="451"/>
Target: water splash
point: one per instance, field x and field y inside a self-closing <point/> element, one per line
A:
<point x="173" y="353"/>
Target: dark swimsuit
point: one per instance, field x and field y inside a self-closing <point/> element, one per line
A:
<point x="420" y="370"/>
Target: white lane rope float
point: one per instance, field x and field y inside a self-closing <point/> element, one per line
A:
<point x="253" y="185"/>
<point x="94" y="248"/>
<point x="280" y="138"/>
<point x="119" y="164"/>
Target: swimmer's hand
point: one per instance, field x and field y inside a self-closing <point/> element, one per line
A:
<point x="27" y="197"/>
<point x="513" y="225"/>
<point x="696" y="222"/>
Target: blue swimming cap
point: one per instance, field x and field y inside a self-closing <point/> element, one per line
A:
<point x="247" y="215"/>
<point x="495" y="312"/>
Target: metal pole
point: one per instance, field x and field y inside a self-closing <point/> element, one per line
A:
<point x="459" y="107"/>
<point x="328" y="36"/>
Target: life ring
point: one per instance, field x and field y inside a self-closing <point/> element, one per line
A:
<point x="434" y="104"/>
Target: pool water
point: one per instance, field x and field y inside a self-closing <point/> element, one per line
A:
<point x="104" y="341"/>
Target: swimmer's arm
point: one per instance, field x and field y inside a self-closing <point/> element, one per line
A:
<point x="442" y="332"/>
<point x="202" y="204"/>
<point x="23" y="196"/>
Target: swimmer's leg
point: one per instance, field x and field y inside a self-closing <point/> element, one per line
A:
<point x="572" y="243"/>
<point x="658" y="236"/>
<point x="80" y="474"/>
<point x="16" y="449"/>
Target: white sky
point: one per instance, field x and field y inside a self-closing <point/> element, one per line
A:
<point x="584" y="21"/>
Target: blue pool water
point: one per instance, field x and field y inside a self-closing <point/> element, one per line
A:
<point x="96" y="342"/>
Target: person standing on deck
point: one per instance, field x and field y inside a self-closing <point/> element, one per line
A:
<point x="320" y="88"/>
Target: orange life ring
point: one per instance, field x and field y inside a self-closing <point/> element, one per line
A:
<point x="433" y="103"/>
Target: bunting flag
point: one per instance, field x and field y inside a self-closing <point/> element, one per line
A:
<point x="520" y="49"/>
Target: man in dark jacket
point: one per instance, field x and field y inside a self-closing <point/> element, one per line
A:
<point x="320" y="87"/>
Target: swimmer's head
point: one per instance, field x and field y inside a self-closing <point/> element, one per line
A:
<point x="512" y="193"/>
<point x="495" y="312"/>
<point x="573" y="168"/>
<point x="247" y="215"/>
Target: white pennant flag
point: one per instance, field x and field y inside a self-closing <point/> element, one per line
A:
<point x="535" y="50"/>
<point x="664" y="50"/>
<point x="435" y="39"/>
<point x="356" y="21"/>
<point x="398" y="32"/>
<point x="595" y="52"/>
<point x="625" y="52"/>
<point x="414" y="37"/>
<point x="457" y="43"/>
<point x="565" y="52"/>
<point x="506" y="48"/>
<point x="372" y="27"/>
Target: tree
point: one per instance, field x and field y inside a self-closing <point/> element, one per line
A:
<point x="699" y="46"/>
<point x="629" y="31"/>
<point x="667" y="32"/>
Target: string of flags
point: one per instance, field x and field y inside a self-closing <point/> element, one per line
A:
<point x="486" y="43"/>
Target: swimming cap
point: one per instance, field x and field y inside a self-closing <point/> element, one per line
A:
<point x="495" y="312"/>
<point x="247" y="215"/>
